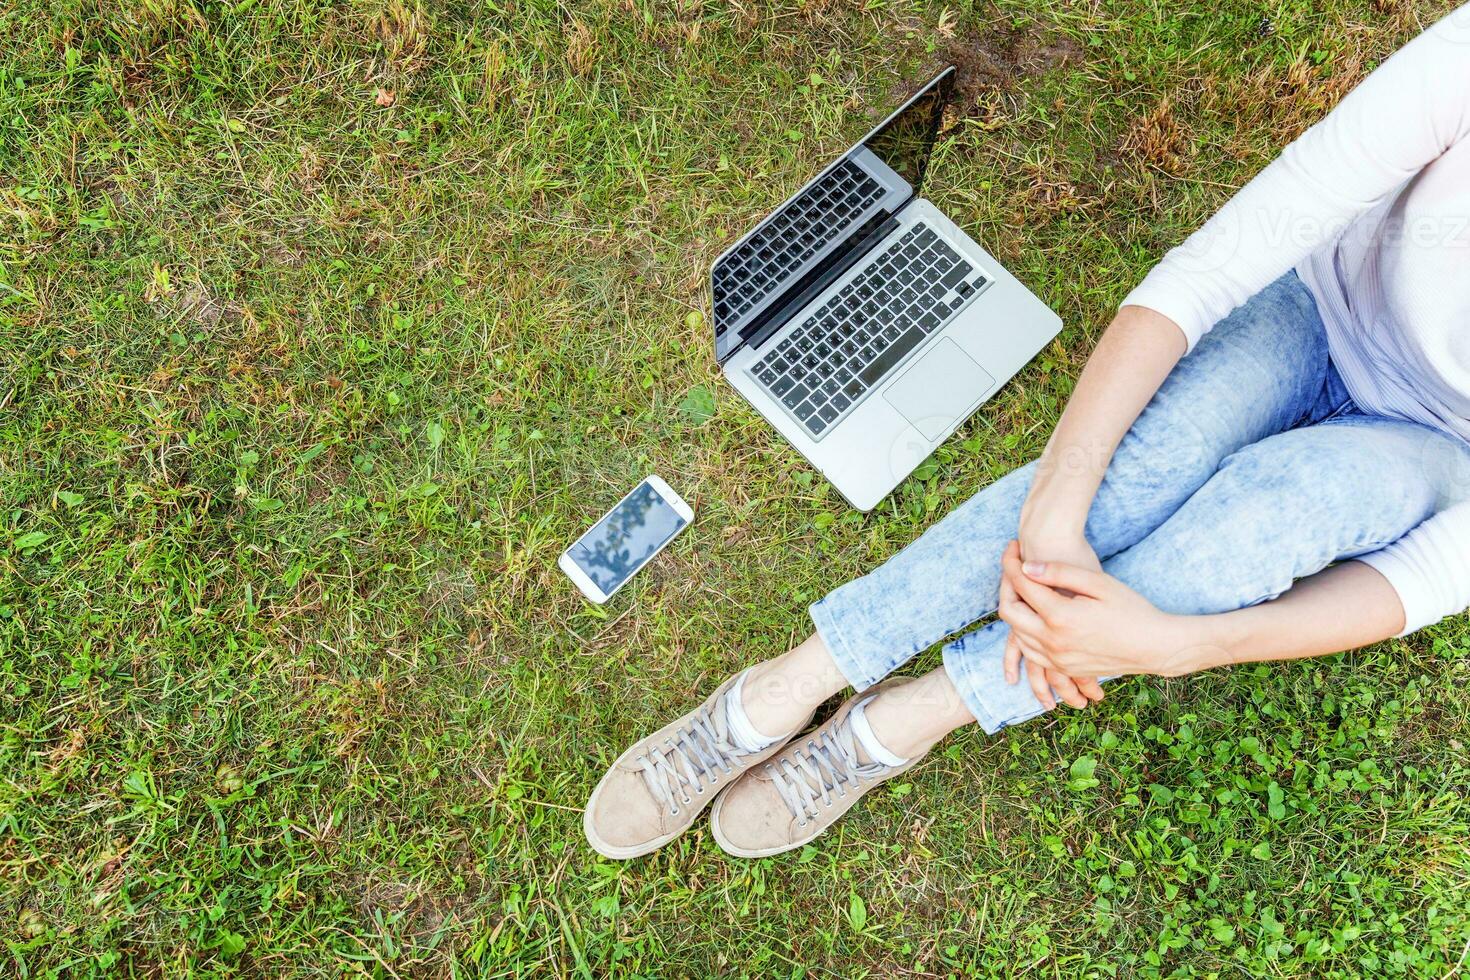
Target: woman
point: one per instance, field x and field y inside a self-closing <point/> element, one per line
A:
<point x="1322" y="414"/>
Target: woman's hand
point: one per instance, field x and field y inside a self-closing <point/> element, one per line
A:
<point x="1082" y="622"/>
<point x="1079" y="692"/>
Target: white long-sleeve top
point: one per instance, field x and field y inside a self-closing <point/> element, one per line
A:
<point x="1371" y="206"/>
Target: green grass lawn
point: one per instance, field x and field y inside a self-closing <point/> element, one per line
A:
<point x="324" y="327"/>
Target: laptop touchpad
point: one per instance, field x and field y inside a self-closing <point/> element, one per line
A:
<point x="939" y="389"/>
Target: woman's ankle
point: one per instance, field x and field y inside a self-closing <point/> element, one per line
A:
<point x="781" y="693"/>
<point x="912" y="717"/>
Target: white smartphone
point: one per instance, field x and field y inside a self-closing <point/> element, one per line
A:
<point x="601" y="561"/>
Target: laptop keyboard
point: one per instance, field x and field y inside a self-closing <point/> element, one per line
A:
<point x="792" y="236"/>
<point x="867" y="328"/>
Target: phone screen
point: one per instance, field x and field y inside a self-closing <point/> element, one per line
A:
<point x="630" y="534"/>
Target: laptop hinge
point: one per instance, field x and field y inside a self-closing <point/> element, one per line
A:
<point x="814" y="282"/>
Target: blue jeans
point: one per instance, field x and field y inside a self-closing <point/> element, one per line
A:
<point x="1250" y="468"/>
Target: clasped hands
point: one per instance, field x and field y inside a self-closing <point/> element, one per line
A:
<point x="1074" y="623"/>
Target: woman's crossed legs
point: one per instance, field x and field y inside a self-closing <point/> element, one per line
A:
<point x="1277" y="510"/>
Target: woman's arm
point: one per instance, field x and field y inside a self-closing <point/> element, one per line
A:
<point x="1429" y="567"/>
<point x="1135" y="354"/>
<point x="1340" y="608"/>
<point x="1405" y="114"/>
<point x="1102" y="627"/>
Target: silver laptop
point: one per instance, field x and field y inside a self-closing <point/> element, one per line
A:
<point x="863" y="323"/>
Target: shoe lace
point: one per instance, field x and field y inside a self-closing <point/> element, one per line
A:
<point x="699" y="751"/>
<point x="807" y="777"/>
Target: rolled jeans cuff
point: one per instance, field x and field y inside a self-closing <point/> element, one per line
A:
<point x="861" y="668"/>
<point x="975" y="664"/>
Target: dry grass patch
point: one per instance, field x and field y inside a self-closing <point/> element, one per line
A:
<point x="1157" y="140"/>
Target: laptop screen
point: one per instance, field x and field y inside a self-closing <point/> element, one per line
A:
<point x="906" y="139"/>
<point x="820" y="232"/>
